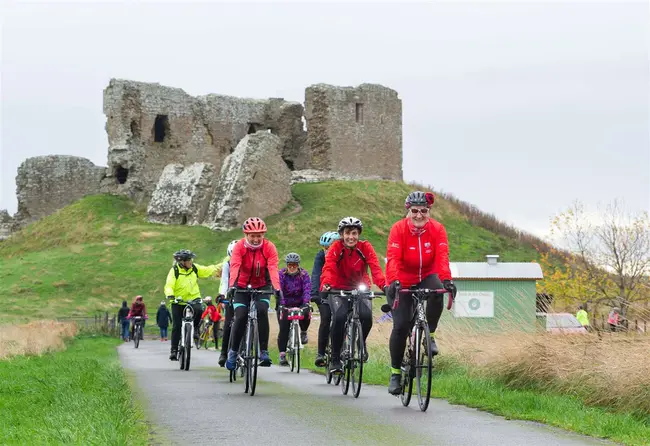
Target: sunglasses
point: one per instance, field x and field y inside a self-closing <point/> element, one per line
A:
<point x="419" y="211"/>
<point x="292" y="265"/>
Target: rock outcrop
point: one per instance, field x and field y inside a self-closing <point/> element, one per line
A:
<point x="254" y="182"/>
<point x="183" y="194"/>
<point x="45" y="184"/>
<point x="6" y="224"/>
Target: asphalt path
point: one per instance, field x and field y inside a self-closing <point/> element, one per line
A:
<point x="201" y="406"/>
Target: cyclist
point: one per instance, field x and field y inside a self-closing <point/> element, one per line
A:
<point x="223" y="291"/>
<point x="346" y="267"/>
<point x="323" y="304"/>
<point x="214" y="318"/>
<point x="296" y="289"/>
<point x="138" y="308"/>
<point x="182" y="286"/>
<point x="254" y="262"/>
<point x="418" y="255"/>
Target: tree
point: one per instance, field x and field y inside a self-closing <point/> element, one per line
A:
<point x="607" y="259"/>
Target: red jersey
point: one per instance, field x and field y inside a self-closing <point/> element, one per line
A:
<point x="414" y="255"/>
<point x="256" y="267"/>
<point x="346" y="269"/>
<point x="212" y="311"/>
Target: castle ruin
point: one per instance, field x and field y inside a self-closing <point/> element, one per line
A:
<point x="351" y="132"/>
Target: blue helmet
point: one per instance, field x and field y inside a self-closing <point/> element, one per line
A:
<point x="328" y="238"/>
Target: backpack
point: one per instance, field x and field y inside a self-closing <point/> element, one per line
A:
<point x="177" y="272"/>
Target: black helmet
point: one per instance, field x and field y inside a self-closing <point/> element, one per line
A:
<point x="350" y="222"/>
<point x="183" y="254"/>
<point x="419" y="198"/>
<point x="292" y="257"/>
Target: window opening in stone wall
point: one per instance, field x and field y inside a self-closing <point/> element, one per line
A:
<point x="160" y="128"/>
<point x="121" y="174"/>
<point x="251" y="129"/>
<point x="184" y="220"/>
<point x="290" y="165"/>
<point x="358" y="112"/>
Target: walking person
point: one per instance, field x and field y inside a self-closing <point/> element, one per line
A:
<point x="163" y="318"/>
<point x="122" y="319"/>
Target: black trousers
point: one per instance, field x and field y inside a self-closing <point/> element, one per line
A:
<point x="177" y="320"/>
<point x="227" y="326"/>
<point x="339" y="307"/>
<point x="283" y="335"/>
<point x="241" y="301"/>
<point x="324" y="327"/>
<point x="403" y="318"/>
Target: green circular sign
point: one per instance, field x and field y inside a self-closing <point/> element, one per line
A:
<point x="474" y="304"/>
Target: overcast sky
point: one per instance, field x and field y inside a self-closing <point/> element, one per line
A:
<point x="518" y="108"/>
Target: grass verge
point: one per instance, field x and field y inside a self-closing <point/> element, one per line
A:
<point x="78" y="396"/>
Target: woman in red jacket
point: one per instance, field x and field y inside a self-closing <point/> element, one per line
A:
<point x="346" y="267"/>
<point x="418" y="254"/>
<point x="254" y="261"/>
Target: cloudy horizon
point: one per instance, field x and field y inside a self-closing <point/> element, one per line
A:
<point x="517" y="108"/>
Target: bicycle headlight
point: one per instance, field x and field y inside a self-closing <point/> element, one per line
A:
<point x="363" y="287"/>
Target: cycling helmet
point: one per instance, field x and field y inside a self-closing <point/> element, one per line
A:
<point x="207" y="299"/>
<point x="419" y="198"/>
<point x="350" y="222"/>
<point x="254" y="224"/>
<point x="328" y="238"/>
<point x="231" y="246"/>
<point x="292" y="257"/>
<point x="183" y="254"/>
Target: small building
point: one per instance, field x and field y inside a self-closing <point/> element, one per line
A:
<point x="494" y="296"/>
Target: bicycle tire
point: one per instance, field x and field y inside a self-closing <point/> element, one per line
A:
<point x="198" y="344"/>
<point x="297" y="354"/>
<point x="345" y="376"/>
<point x="356" y="360"/>
<point x="246" y="362"/>
<point x="188" y="348"/>
<point x="136" y="336"/>
<point x="407" y="372"/>
<point x="423" y="364"/>
<point x="291" y="350"/>
<point x="254" y="358"/>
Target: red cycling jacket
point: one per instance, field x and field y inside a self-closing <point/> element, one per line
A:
<point x="137" y="309"/>
<point x="215" y="316"/>
<point x="412" y="256"/>
<point x="256" y="267"/>
<point x="346" y="269"/>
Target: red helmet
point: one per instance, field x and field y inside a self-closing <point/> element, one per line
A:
<point x="254" y="224"/>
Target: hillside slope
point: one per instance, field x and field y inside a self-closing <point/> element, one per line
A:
<point x="100" y="250"/>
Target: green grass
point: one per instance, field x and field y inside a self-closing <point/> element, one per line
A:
<point x="455" y="383"/>
<point x="77" y="396"/>
<point x="91" y="255"/>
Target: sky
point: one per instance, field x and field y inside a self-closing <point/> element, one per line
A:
<point x="519" y="108"/>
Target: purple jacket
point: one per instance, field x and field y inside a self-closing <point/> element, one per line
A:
<point x="295" y="289"/>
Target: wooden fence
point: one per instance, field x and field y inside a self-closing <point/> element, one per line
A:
<point x="628" y="326"/>
<point x="99" y="323"/>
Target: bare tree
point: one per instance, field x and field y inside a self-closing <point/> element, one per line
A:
<point x="613" y="252"/>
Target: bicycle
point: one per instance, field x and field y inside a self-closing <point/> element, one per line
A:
<point x="353" y="348"/>
<point x="206" y="335"/>
<point x="417" y="361"/>
<point x="187" y="334"/>
<point x="137" y="330"/>
<point x="248" y="354"/>
<point x="294" y="345"/>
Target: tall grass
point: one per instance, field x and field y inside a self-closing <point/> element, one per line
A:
<point x="34" y="338"/>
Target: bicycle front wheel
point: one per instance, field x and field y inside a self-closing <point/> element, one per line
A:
<point x="252" y="356"/>
<point x="423" y="365"/>
<point x="188" y="347"/>
<point x="408" y="371"/>
<point x="356" y="359"/>
<point x="345" y="353"/>
<point x="136" y="336"/>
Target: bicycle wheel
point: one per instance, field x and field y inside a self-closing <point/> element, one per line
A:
<point x="408" y="369"/>
<point x="423" y="365"/>
<point x="291" y="348"/>
<point x="296" y="344"/>
<point x="356" y="359"/>
<point x="188" y="347"/>
<point x="252" y="371"/>
<point x="345" y="348"/>
<point x="136" y="336"/>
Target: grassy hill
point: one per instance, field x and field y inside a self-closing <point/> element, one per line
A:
<point x="100" y="250"/>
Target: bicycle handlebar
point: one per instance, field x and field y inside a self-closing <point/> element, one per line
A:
<point x="431" y="291"/>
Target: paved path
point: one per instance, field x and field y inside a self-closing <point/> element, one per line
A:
<point x="202" y="407"/>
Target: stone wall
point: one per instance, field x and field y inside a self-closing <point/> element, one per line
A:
<point x="150" y="126"/>
<point x="354" y="131"/>
<point x="45" y="184"/>
<point x="6" y="224"/>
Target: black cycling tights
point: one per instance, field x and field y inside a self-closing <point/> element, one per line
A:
<point x="403" y="318"/>
<point x="241" y="318"/>
<point x="227" y="325"/>
<point x="177" y="320"/>
<point x="324" y="327"/>
<point x="339" y="307"/>
<point x="285" y="325"/>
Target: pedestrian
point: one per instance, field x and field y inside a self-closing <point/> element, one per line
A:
<point x="613" y="319"/>
<point x="163" y="318"/>
<point x="122" y="319"/>
<point x="583" y="317"/>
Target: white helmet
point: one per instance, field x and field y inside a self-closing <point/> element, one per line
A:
<point x="207" y="299"/>
<point x="231" y="246"/>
